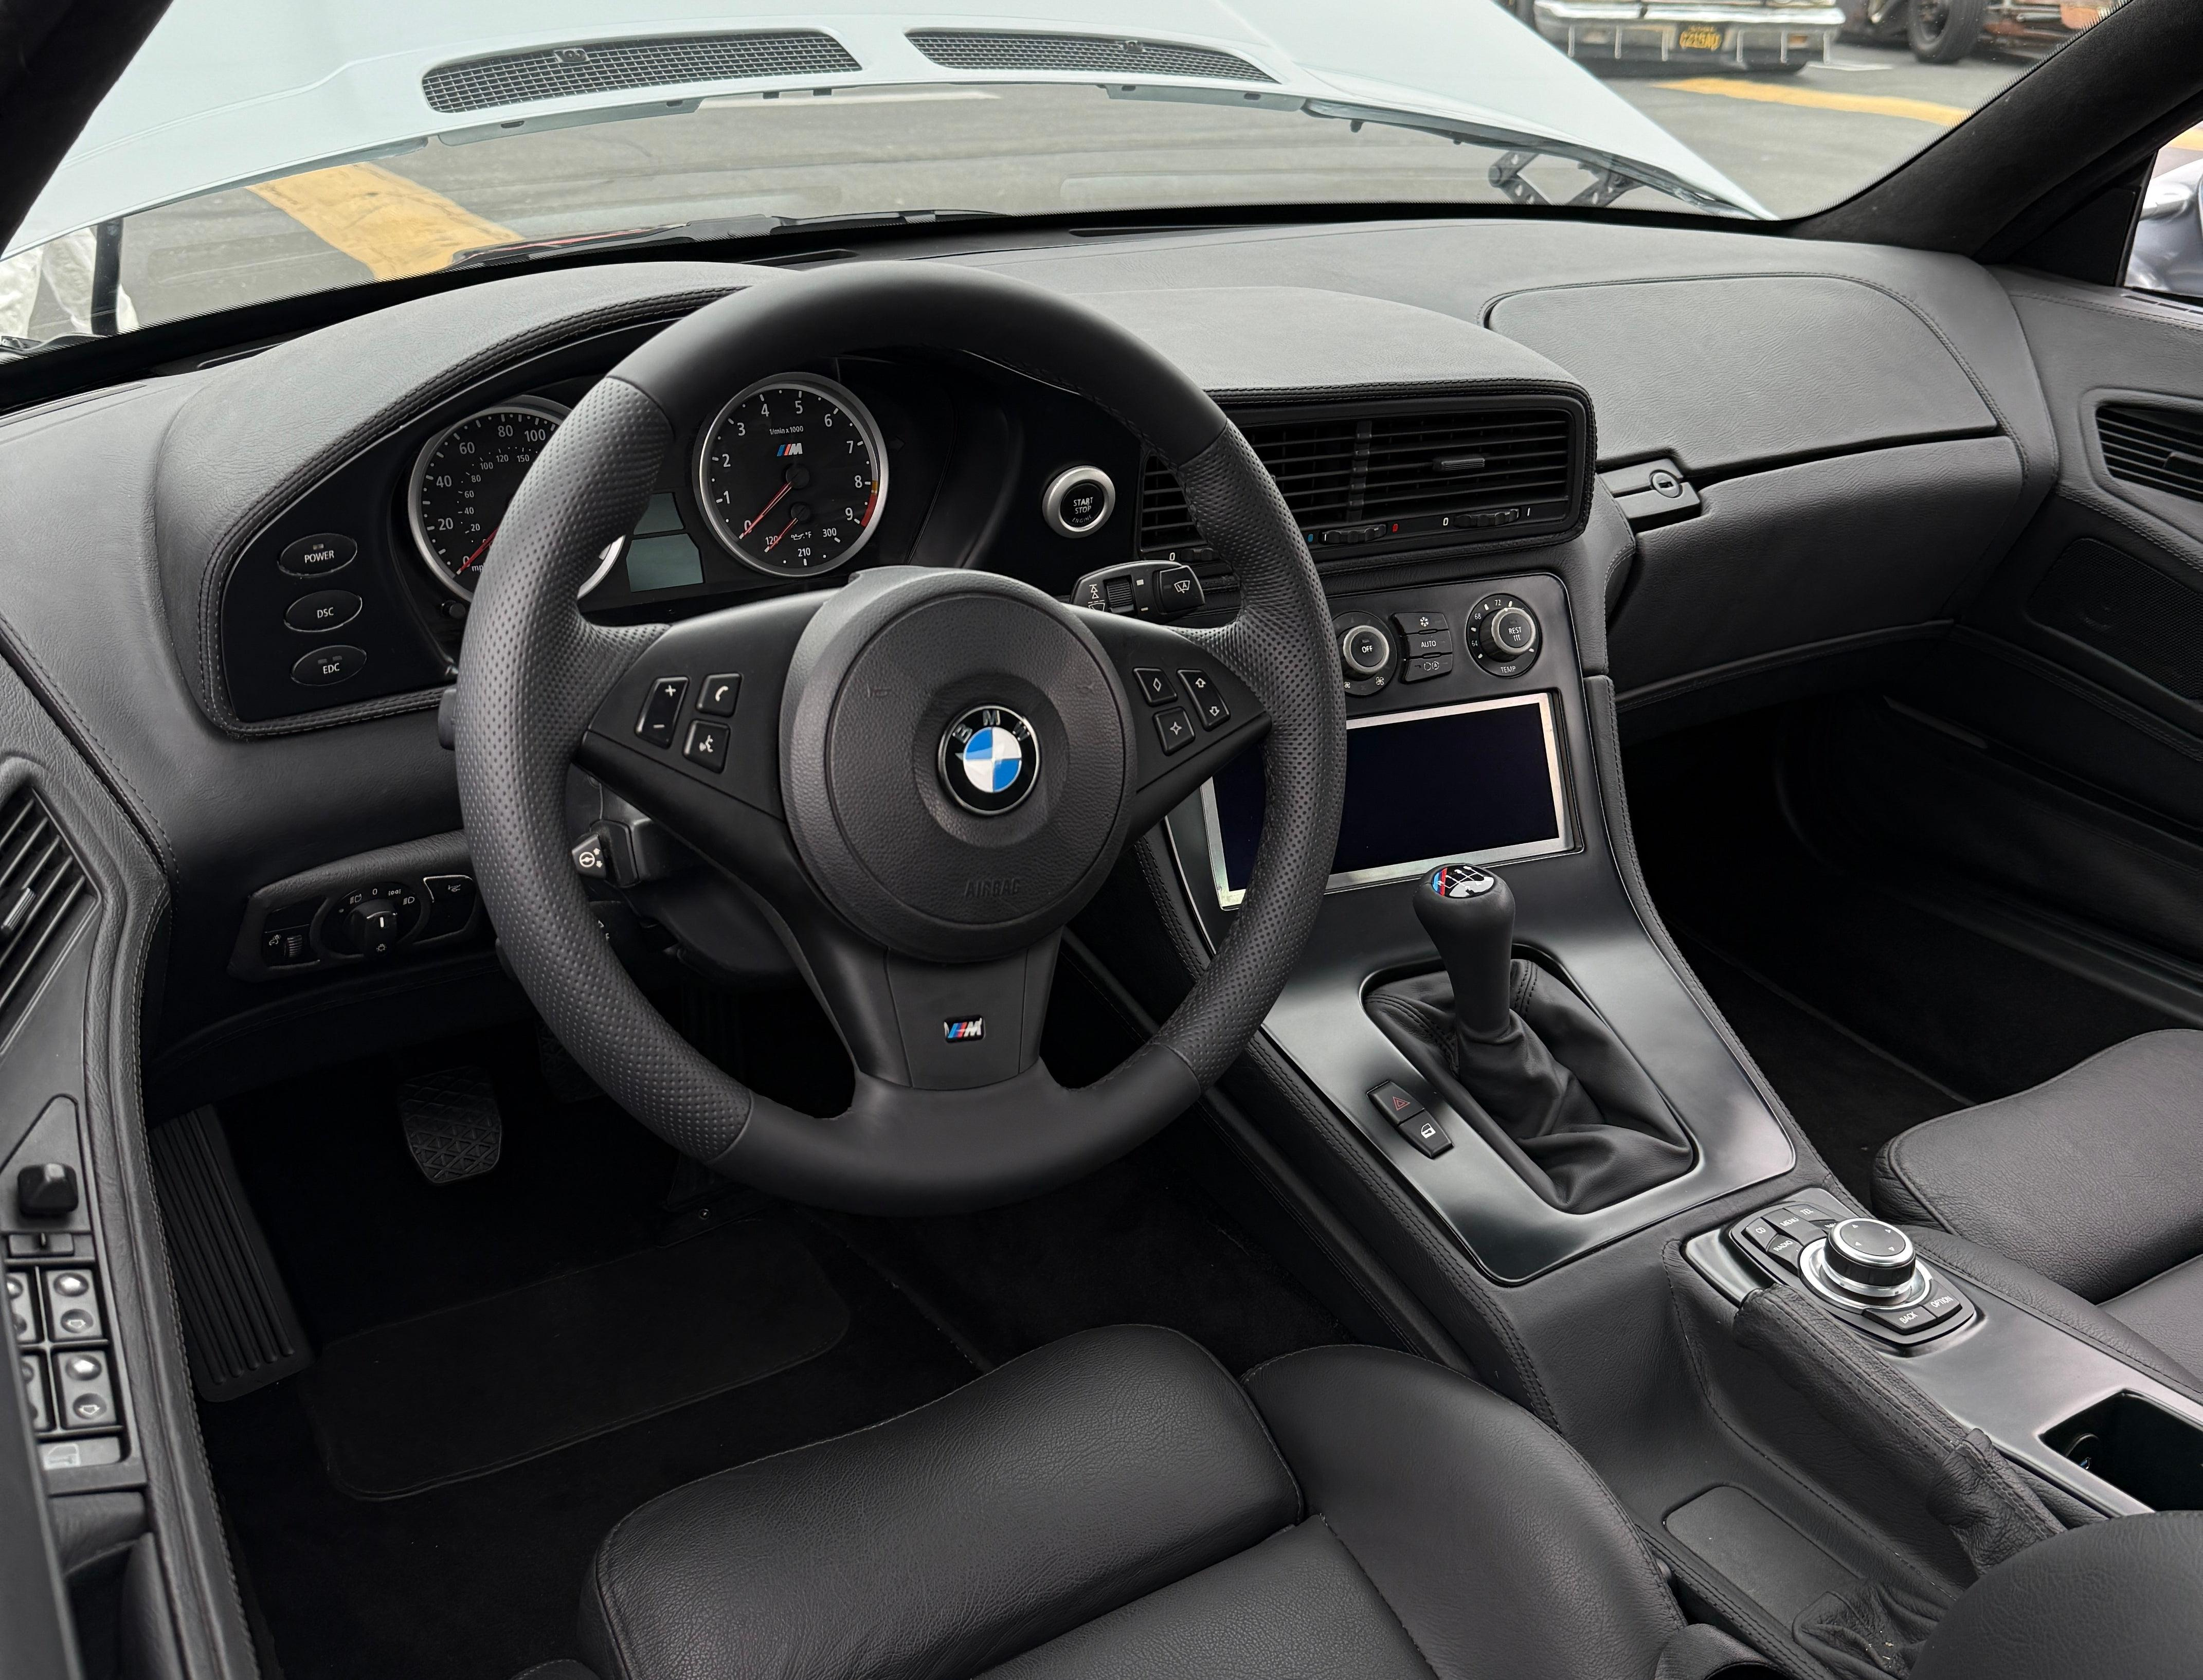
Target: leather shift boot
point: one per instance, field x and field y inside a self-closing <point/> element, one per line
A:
<point x="1557" y="1092"/>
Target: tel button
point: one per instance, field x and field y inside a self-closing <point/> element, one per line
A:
<point x="336" y="663"/>
<point x="322" y="611"/>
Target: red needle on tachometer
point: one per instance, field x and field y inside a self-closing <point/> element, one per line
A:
<point x="766" y="509"/>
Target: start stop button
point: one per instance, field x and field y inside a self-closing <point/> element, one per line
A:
<point x="1078" y="501"/>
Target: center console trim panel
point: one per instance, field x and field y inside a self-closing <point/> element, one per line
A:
<point x="1576" y="915"/>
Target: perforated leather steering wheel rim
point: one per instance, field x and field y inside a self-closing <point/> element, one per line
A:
<point x="533" y="672"/>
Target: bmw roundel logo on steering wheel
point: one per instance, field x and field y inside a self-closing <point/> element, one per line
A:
<point x="989" y="759"/>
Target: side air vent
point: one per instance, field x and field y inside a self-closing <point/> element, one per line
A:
<point x="2161" y="447"/>
<point x="608" y="66"/>
<point x="41" y="886"/>
<point x="1004" y="49"/>
<point x="1400" y="476"/>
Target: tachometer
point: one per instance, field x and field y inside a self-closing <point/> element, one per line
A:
<point x="792" y="475"/>
<point x="464" y="480"/>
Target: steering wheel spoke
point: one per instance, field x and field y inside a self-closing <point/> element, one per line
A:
<point x="1195" y="714"/>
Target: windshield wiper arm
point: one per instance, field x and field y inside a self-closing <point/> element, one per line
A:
<point x="703" y="232"/>
<point x="1612" y="174"/>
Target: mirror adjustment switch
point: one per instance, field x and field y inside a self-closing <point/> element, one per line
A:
<point x="659" y="710"/>
<point x="47" y="1190"/>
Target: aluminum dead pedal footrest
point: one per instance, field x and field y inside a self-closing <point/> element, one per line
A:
<point x="453" y="1124"/>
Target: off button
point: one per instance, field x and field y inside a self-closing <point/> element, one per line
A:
<point x="325" y="665"/>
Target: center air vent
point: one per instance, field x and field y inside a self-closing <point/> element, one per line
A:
<point x="41" y="885"/>
<point x="1004" y="49"/>
<point x="2161" y="447"/>
<point x="608" y="66"/>
<point x="1400" y="476"/>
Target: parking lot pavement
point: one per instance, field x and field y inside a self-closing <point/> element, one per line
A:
<point x="1796" y="142"/>
<point x="1799" y="143"/>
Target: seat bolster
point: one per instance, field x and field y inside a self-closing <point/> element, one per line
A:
<point x="2029" y="1290"/>
<point x="1498" y="1547"/>
<point x="2168" y="1310"/>
<point x="1047" y="1493"/>
<point x="2094" y="1178"/>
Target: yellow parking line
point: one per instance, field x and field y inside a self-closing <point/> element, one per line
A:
<point x="1874" y="105"/>
<point x="394" y="226"/>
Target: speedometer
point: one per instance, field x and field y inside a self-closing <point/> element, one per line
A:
<point x="464" y="480"/>
<point x="792" y="475"/>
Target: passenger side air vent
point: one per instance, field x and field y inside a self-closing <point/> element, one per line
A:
<point x="1400" y="475"/>
<point x="1005" y="49"/>
<point x="41" y="886"/>
<point x="607" y="67"/>
<point x="2161" y="447"/>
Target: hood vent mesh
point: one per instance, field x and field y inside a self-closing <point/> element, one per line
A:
<point x="41" y="886"/>
<point x="1003" y="50"/>
<point x="607" y="67"/>
<point x="2161" y="447"/>
<point x="1388" y="467"/>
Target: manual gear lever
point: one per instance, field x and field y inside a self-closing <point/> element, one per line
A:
<point x="1470" y="917"/>
<point x="1520" y="1056"/>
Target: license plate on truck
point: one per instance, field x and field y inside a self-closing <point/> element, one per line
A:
<point x="1701" y="38"/>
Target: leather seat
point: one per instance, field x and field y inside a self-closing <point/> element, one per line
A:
<point x="1116" y="1504"/>
<point x="2094" y="1179"/>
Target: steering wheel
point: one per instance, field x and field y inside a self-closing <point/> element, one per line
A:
<point x="923" y="910"/>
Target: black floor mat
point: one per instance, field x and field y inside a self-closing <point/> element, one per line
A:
<point x="1849" y="1097"/>
<point x="491" y="1383"/>
<point x="480" y="1579"/>
<point x="1970" y="1017"/>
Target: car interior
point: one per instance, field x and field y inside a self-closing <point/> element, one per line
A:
<point x="1460" y="942"/>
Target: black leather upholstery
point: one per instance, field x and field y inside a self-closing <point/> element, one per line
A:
<point x="1115" y="1504"/>
<point x="2112" y="1598"/>
<point x="2094" y="1180"/>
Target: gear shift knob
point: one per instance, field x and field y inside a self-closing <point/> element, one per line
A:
<point x="1470" y="917"/>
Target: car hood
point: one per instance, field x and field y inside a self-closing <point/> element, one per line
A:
<point x="227" y="92"/>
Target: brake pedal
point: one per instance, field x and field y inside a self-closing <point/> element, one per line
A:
<point x="452" y="1124"/>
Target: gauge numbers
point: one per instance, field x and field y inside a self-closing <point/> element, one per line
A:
<point x="463" y="481"/>
<point x="793" y="476"/>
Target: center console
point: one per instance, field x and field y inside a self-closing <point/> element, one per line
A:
<point x="1468" y="742"/>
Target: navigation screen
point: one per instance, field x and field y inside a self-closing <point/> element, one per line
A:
<point x="1481" y="782"/>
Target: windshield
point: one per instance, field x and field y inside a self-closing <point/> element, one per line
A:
<point x="260" y="149"/>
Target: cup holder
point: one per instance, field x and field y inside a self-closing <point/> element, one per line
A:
<point x="2138" y="1448"/>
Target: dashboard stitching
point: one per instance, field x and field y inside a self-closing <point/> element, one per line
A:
<point x="448" y="383"/>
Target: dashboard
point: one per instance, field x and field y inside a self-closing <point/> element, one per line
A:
<point x="242" y="585"/>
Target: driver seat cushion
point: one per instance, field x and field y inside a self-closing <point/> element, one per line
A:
<point x="1115" y="1503"/>
<point x="2094" y="1179"/>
